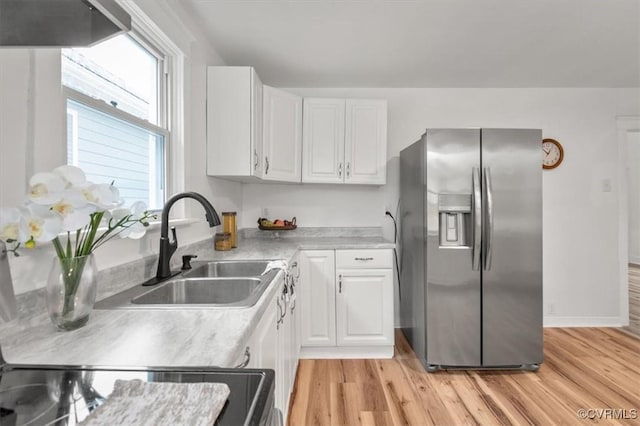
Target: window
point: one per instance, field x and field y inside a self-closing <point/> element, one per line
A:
<point x="116" y="116"/>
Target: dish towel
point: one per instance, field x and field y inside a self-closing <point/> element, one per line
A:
<point x="276" y="264"/>
<point x="134" y="402"/>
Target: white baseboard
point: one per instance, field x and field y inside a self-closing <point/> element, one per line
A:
<point x="553" y="321"/>
<point x="346" y="352"/>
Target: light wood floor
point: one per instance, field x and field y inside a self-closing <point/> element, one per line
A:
<point x="590" y="368"/>
<point x="634" y="299"/>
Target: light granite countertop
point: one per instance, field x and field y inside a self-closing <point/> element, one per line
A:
<point x="187" y="337"/>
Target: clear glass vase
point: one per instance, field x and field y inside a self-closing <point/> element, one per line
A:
<point x="71" y="291"/>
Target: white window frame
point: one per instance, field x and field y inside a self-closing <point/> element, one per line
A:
<point x="174" y="79"/>
<point x="171" y="98"/>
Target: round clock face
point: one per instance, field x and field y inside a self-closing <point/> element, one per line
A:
<point x="552" y="153"/>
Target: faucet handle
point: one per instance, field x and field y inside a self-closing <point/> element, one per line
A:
<point x="186" y="261"/>
<point x="175" y="237"/>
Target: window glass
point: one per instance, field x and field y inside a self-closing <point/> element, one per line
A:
<point x="119" y="71"/>
<point x="109" y="150"/>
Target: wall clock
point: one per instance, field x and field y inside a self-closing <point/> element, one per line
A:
<point x="552" y="154"/>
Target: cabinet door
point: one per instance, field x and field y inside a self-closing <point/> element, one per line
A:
<point x="230" y="120"/>
<point x="366" y="141"/>
<point x="296" y="318"/>
<point x="263" y="349"/>
<point x="317" y="310"/>
<point x="285" y="339"/>
<point x="323" y="140"/>
<point x="256" y="120"/>
<point x="364" y="307"/>
<point x="282" y="135"/>
<point x="282" y="373"/>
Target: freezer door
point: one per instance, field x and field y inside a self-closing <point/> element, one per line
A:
<point x="453" y="288"/>
<point x="512" y="247"/>
<point x="412" y="309"/>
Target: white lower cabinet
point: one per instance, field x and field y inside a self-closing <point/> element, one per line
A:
<point x="318" y="310"/>
<point x="347" y="304"/>
<point x="261" y="345"/>
<point x="330" y="304"/>
<point x="364" y="307"/>
<point x="275" y="343"/>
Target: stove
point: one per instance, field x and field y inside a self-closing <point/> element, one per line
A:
<point x="60" y="395"/>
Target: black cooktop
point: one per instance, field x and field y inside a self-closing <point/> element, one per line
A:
<point x="51" y="395"/>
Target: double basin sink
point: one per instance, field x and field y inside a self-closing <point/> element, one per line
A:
<point x="231" y="283"/>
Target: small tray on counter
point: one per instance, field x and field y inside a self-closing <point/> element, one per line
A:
<point x="290" y="227"/>
<point x="277" y="228"/>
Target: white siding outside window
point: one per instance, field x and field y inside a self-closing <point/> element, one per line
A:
<point x="110" y="149"/>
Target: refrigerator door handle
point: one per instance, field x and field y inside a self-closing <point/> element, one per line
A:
<point x="488" y="237"/>
<point x="477" y="219"/>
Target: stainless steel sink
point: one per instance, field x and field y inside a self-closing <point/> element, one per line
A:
<point x="219" y="284"/>
<point x="205" y="291"/>
<point x="227" y="268"/>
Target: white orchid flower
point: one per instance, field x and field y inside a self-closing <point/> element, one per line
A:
<point x="74" y="209"/>
<point x="9" y="224"/>
<point x="45" y="188"/>
<point x="136" y="212"/>
<point x="71" y="175"/>
<point x="39" y="224"/>
<point x="102" y="195"/>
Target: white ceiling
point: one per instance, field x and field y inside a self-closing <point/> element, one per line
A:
<point x="429" y="43"/>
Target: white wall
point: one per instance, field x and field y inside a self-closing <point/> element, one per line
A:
<point x="580" y="220"/>
<point x="32" y="138"/>
<point x="633" y="150"/>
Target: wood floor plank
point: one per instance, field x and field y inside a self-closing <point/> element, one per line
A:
<point x="584" y="368"/>
<point x="364" y="372"/>
<point x="404" y="405"/>
<point x="376" y="418"/>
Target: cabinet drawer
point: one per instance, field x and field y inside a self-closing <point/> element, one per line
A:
<point x="372" y="258"/>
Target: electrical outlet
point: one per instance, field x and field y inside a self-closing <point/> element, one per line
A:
<point x="387" y="208"/>
<point x="265" y="212"/>
<point x="551" y="308"/>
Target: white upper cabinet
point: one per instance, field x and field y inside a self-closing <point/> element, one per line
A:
<point x="282" y="135"/>
<point x="365" y="141"/>
<point x="234" y="122"/>
<point x="344" y="141"/>
<point x="323" y="140"/>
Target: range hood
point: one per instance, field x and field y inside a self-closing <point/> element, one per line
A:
<point x="60" y="23"/>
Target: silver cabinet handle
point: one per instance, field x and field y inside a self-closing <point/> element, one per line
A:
<point x="348" y="169"/>
<point x="477" y="219"/>
<point x="246" y="360"/>
<point x="488" y="230"/>
<point x="266" y="165"/>
<point x="364" y="259"/>
<point x="256" y="164"/>
<point x="340" y="283"/>
<point x="339" y="169"/>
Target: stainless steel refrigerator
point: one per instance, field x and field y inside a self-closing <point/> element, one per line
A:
<point x="471" y="238"/>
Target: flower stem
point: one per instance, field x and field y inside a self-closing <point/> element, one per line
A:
<point x="96" y="218"/>
<point x="58" y="247"/>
